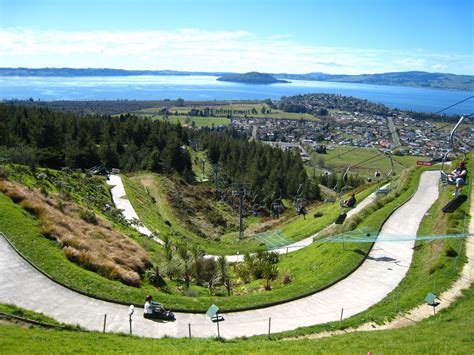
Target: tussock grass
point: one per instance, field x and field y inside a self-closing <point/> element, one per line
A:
<point x="96" y="246"/>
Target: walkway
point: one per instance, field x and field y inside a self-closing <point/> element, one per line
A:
<point x="385" y="267"/>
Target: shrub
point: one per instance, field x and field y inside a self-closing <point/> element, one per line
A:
<point x="242" y="272"/>
<point x="191" y="293"/>
<point x="34" y="207"/>
<point x="50" y="231"/>
<point x="451" y="252"/>
<point x="286" y="279"/>
<point x="14" y="193"/>
<point x="216" y="219"/>
<point x="3" y="173"/>
<point x="88" y="216"/>
<point x="437" y="266"/>
<point x="204" y="270"/>
<point x="153" y="276"/>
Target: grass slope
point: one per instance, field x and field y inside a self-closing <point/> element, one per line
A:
<point x="154" y="209"/>
<point x="340" y="158"/>
<point x="330" y="262"/>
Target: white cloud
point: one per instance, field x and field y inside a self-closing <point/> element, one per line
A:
<point x="439" y="67"/>
<point x="200" y="50"/>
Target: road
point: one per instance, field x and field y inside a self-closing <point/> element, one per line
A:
<point x="393" y="130"/>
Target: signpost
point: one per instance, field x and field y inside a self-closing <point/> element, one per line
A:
<point x="431" y="301"/>
<point x="212" y="313"/>
<point x="131" y="309"/>
<point x="424" y="163"/>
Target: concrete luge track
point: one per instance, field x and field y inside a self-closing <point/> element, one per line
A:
<point x="385" y="267"/>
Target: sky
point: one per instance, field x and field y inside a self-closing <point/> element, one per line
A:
<point x="279" y="36"/>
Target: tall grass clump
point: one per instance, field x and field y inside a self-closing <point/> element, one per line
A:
<point x="85" y="238"/>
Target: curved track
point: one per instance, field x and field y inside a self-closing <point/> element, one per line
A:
<point x="385" y="267"/>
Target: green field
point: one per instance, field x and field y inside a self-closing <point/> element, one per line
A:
<point x="187" y="120"/>
<point x="221" y="117"/>
<point x="370" y="160"/>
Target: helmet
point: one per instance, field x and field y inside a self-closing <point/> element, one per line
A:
<point x="462" y="164"/>
<point x="148" y="298"/>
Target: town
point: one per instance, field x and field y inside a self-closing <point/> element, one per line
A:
<point x="396" y="131"/>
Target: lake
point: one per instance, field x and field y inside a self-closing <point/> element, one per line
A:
<point x="208" y="88"/>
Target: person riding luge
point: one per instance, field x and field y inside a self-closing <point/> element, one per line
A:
<point x="155" y="310"/>
<point x="351" y="202"/>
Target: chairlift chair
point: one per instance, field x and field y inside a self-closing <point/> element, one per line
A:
<point x="452" y="205"/>
<point x="342" y="216"/>
<point x="444" y="174"/>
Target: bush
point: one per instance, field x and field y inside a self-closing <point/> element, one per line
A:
<point x="191" y="293"/>
<point x="451" y="252"/>
<point x="216" y="219"/>
<point x="3" y="173"/>
<point x="88" y="216"/>
<point x="36" y="209"/>
<point x="437" y="266"/>
<point x="286" y="279"/>
<point x="204" y="270"/>
<point x="153" y="276"/>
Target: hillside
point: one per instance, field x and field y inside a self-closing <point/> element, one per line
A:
<point x="411" y="78"/>
<point x="252" y="78"/>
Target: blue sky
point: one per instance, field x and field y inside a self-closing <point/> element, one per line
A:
<point x="338" y="36"/>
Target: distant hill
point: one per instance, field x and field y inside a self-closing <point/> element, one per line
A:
<point x="251" y="78"/>
<point x="410" y="78"/>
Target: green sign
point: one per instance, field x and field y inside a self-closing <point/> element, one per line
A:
<point x="212" y="311"/>
<point x="431" y="299"/>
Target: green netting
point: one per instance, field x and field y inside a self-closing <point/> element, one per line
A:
<point x="361" y="236"/>
<point x="272" y="239"/>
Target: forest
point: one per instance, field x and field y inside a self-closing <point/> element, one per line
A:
<point x="41" y="137"/>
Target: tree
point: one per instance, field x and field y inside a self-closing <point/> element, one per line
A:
<point x="186" y="259"/>
<point x="179" y="102"/>
<point x="270" y="273"/>
<point x="222" y="267"/>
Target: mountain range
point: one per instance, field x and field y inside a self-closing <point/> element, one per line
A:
<point x="409" y="78"/>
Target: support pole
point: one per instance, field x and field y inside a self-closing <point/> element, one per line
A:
<point x="241" y="217"/>
<point x="130" y="320"/>
<point x="269" y="326"/>
<point x="105" y="322"/>
<point x="342" y="313"/>
<point x="218" y="331"/>
<point x="398" y="297"/>
<point x="189" y="330"/>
